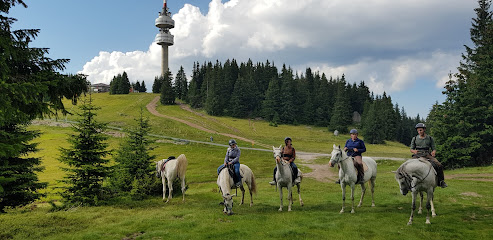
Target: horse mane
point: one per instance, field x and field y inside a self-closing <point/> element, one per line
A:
<point x="181" y="166"/>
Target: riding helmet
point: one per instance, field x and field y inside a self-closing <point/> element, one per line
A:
<point x="353" y="131"/>
<point x="420" y="125"/>
<point x="231" y="142"/>
<point x="286" y="139"/>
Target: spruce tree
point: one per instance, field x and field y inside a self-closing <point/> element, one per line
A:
<point x="134" y="170"/>
<point x="85" y="159"/>
<point x="167" y="92"/>
<point x="143" y="87"/>
<point x="30" y="87"/>
<point x="181" y="84"/>
<point x="341" y="115"/>
<point x="272" y="103"/>
<point x="463" y="124"/>
<point x="156" y="86"/>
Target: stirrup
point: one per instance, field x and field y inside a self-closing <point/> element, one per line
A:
<point x="338" y="181"/>
<point x="443" y="184"/>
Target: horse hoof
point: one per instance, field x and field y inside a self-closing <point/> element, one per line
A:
<point x="352" y="211"/>
<point x="433" y="215"/>
<point x="280" y="209"/>
<point x="409" y="223"/>
<point x="289" y="210"/>
<point x="359" y="205"/>
<point x="428" y="222"/>
<point x="342" y="211"/>
<point x="373" y="204"/>
<point x="419" y="212"/>
<point x="302" y="204"/>
<point x="251" y="204"/>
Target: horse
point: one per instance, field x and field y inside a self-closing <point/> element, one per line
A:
<point x="348" y="175"/>
<point x="284" y="178"/>
<point x="225" y="183"/>
<point x="174" y="168"/>
<point x="418" y="175"/>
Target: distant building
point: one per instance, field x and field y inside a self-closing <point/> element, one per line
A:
<point x="100" y="87"/>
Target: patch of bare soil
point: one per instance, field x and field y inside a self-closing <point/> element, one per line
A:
<point x="320" y="172"/>
<point x="115" y="134"/>
<point x="50" y="123"/>
<point x="482" y="177"/>
<point x="471" y="194"/>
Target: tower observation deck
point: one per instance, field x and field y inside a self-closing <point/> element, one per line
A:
<point x="164" y="38"/>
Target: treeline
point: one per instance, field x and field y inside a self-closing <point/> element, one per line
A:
<point x="311" y="98"/>
<point x="120" y="84"/>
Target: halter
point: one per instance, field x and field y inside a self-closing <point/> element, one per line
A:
<point x="344" y="158"/>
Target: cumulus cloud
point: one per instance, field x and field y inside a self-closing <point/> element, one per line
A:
<point x="386" y="43"/>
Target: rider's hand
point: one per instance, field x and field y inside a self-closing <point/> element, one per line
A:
<point x="355" y="150"/>
<point x="433" y="153"/>
<point x="345" y="149"/>
<point x="414" y="151"/>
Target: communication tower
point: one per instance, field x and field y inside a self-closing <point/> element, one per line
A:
<point x="164" y="38"/>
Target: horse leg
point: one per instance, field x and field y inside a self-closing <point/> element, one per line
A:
<point x="242" y="194"/>
<point x="164" y="186"/>
<point x="363" y="190"/>
<point x="429" y="198"/>
<point x="420" y="209"/>
<point x="280" y="196"/>
<point x="372" y="191"/>
<point x="170" y="190"/>
<point x="183" y="188"/>
<point x="343" y="187"/>
<point x="413" y="207"/>
<point x="299" y="194"/>
<point x="433" y="214"/>
<point x="352" y="198"/>
<point x="251" y="194"/>
<point x="290" y="196"/>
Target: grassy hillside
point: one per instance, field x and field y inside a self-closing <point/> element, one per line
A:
<point x="464" y="209"/>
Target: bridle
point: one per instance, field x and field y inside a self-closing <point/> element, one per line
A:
<point x="408" y="179"/>
<point x="341" y="157"/>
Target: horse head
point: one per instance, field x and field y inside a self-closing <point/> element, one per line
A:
<point x="404" y="181"/>
<point x="228" y="203"/>
<point x="277" y="153"/>
<point x="158" y="168"/>
<point x="336" y="156"/>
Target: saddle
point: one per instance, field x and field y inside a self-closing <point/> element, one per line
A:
<point x="231" y="170"/>
<point x="167" y="160"/>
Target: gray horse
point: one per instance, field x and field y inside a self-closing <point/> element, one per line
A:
<point x="418" y="175"/>
<point x="284" y="178"/>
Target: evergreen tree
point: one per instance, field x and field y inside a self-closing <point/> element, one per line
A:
<point x="137" y="87"/>
<point x="156" y="86"/>
<point x="167" y="92"/>
<point x="286" y="112"/>
<point x="124" y="87"/>
<point x="143" y="87"/>
<point x="341" y="116"/>
<point x="463" y="124"/>
<point x="30" y="87"/>
<point x="272" y="103"/>
<point x="181" y="84"/>
<point x="87" y="165"/>
<point x="133" y="169"/>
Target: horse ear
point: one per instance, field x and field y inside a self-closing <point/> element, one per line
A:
<point x="273" y="148"/>
<point x="234" y="195"/>
<point x="394" y="171"/>
<point x="280" y="146"/>
<point x="334" y="146"/>
<point x="339" y="147"/>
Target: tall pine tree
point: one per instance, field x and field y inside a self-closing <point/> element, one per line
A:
<point x="85" y="159"/>
<point x="30" y="87"/>
<point x="167" y="92"/>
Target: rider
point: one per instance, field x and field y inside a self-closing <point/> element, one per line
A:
<point x="289" y="154"/>
<point x="420" y="147"/>
<point x="233" y="158"/>
<point x="355" y="147"/>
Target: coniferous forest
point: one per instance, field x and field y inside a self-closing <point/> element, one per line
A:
<point x="260" y="90"/>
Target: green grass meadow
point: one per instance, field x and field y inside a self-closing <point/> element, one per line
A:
<point x="464" y="209"/>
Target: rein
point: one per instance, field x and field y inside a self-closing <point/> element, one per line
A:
<point x="409" y="178"/>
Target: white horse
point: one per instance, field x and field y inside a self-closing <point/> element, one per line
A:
<point x="225" y="183"/>
<point x="284" y="178"/>
<point x="175" y="168"/>
<point x="348" y="175"/>
<point x="418" y="175"/>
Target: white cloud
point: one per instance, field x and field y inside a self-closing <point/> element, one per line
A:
<point x="386" y="43"/>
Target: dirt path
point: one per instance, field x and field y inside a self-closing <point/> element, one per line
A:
<point x="151" y="107"/>
<point x="320" y="172"/>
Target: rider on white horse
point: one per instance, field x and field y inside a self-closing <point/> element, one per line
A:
<point x="420" y="147"/>
<point x="288" y="154"/>
<point x="355" y="147"/>
<point x="232" y="158"/>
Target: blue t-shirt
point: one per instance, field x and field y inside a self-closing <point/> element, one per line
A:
<point x="358" y="144"/>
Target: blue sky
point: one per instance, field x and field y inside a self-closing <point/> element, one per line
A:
<point x="405" y="48"/>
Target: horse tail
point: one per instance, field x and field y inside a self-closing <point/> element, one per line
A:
<point x="253" y="189"/>
<point x="182" y="164"/>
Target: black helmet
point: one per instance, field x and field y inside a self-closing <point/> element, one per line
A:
<point x="231" y="142"/>
<point x="420" y="125"/>
<point x="353" y="131"/>
<point x="286" y="139"/>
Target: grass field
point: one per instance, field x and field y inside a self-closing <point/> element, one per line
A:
<point x="465" y="209"/>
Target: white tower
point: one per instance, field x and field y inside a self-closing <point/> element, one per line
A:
<point x="164" y="38"/>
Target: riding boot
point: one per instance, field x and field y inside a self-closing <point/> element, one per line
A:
<point x="441" y="177"/>
<point x="360" y="173"/>
<point x="273" y="182"/>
